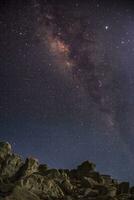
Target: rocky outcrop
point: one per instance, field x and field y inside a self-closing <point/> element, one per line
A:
<point x="28" y="180"/>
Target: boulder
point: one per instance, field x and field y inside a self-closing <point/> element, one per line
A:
<point x="31" y="165"/>
<point x="102" y="189"/>
<point x="68" y="198"/>
<point x="124" y="197"/>
<point x="88" y="182"/>
<point x="73" y="173"/>
<point x="22" y="194"/>
<point x="43" y="168"/>
<point x="107" y="179"/>
<point x="66" y="186"/>
<point x="86" y="167"/>
<point x="96" y="176"/>
<point x="6" y="188"/>
<point x="31" y="181"/>
<point x="123" y="188"/>
<point x="5" y="149"/>
<point x="132" y="190"/>
<point x="42" y="186"/>
<point x="112" y="191"/>
<point x="105" y="197"/>
<point x="91" y="193"/>
<point x="53" y="173"/>
<point x="11" y="165"/>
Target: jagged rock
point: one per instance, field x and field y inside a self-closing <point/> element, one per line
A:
<point x="85" y="168"/>
<point x="5" y="149"/>
<point x="43" y="168"/>
<point x="123" y="197"/>
<point x="105" y="198"/>
<point x="107" y="179"/>
<point x="22" y="194"/>
<point x="88" y="182"/>
<point x="64" y="171"/>
<point x="123" y="188"/>
<point x="53" y="173"/>
<point x="103" y="190"/>
<point x="91" y="193"/>
<point x="11" y="165"/>
<point x="96" y="176"/>
<point x="66" y="186"/>
<point x="73" y="173"/>
<point x="31" y="165"/>
<point x="68" y="198"/>
<point x="112" y="191"/>
<point x="31" y="181"/>
<point x="41" y="185"/>
<point x="6" y="188"/>
<point x="132" y="190"/>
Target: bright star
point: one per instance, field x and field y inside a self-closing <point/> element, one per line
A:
<point x="106" y="27"/>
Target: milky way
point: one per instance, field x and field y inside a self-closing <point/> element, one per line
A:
<point x="79" y="50"/>
<point x="67" y="82"/>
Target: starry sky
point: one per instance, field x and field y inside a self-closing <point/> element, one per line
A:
<point x="67" y="82"/>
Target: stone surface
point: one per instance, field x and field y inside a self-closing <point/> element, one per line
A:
<point x="5" y="149"/>
<point x="123" y="188"/>
<point x="11" y="165"/>
<point x="30" y="180"/>
<point x="22" y="194"/>
<point x="30" y="166"/>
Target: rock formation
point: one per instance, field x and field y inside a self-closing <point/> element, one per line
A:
<point x="29" y="180"/>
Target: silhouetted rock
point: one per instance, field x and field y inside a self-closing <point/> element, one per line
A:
<point x="30" y="180"/>
<point x="132" y="190"/>
<point x="123" y="188"/>
<point x="85" y="168"/>
<point x="43" y="168"/>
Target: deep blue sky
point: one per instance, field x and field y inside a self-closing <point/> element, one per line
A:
<point x="67" y="81"/>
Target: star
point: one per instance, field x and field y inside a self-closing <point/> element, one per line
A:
<point x="122" y="42"/>
<point x="66" y="73"/>
<point x="106" y="27"/>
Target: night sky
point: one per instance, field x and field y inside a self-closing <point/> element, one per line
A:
<point x="67" y="82"/>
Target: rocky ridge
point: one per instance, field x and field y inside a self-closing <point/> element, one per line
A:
<point x="30" y="180"/>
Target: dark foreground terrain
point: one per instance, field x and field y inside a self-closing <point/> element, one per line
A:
<point x="30" y="180"/>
